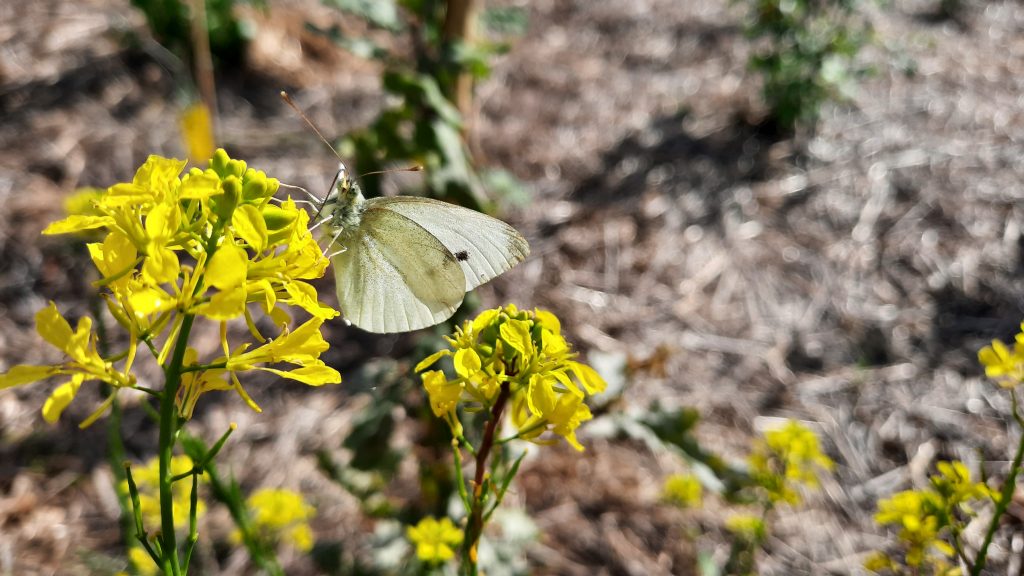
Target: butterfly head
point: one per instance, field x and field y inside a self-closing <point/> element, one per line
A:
<point x="343" y="206"/>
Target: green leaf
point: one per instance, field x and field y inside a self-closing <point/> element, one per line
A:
<point x="507" y="21"/>
<point x="377" y="13"/>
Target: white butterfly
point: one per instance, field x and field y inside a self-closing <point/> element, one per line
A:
<point x="403" y="263"/>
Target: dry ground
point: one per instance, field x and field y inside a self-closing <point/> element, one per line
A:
<point x="848" y="286"/>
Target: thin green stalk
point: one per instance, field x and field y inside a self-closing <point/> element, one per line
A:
<point x="199" y="467"/>
<point x="168" y="437"/>
<point x="106" y="280"/>
<point x="116" y="457"/>
<point x="193" y="513"/>
<point x="1005" y="496"/>
<point x="466" y="444"/>
<point x="140" y="530"/>
<point x="460" y="479"/>
<point x="505" y="483"/>
<point x="229" y="495"/>
<point x="203" y="367"/>
<point x="115" y="442"/>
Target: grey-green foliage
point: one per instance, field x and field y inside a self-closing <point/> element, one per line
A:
<point x="420" y="124"/>
<point x="806" y="52"/>
<point x="170" y="23"/>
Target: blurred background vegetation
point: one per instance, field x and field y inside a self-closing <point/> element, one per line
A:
<point x="743" y="211"/>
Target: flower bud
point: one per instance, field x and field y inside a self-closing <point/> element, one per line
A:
<point x="255" y="187"/>
<point x="225" y="203"/>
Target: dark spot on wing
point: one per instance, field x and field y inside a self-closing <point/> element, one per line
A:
<point x="462" y="255"/>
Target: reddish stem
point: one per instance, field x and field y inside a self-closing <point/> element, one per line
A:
<point x="476" y="514"/>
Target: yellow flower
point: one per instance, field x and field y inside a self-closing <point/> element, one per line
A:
<point x="84" y="363"/>
<point x="281" y="516"/>
<point x="301" y="347"/>
<point x="925" y="517"/>
<point x="747" y="527"/>
<point x="197" y="131"/>
<point x="786" y="459"/>
<point x="444" y="397"/>
<point x="435" y="540"/>
<point x="196" y="383"/>
<point x="683" y="490"/>
<point x="1002" y="364"/>
<point x="142" y="564"/>
<point x="172" y="246"/>
<point x="524" y="354"/>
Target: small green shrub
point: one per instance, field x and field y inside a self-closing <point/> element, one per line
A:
<point x="806" y="54"/>
<point x="421" y="124"/>
<point x="170" y="23"/>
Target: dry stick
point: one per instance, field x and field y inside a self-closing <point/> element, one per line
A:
<point x="459" y="26"/>
<point x="204" y="61"/>
<point x="476" y="515"/>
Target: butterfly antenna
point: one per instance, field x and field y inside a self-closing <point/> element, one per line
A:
<point x="414" y="168"/>
<point x="320" y="208"/>
<point x="288" y="100"/>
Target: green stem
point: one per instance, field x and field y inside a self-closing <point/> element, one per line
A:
<point x="198" y="467"/>
<point x="117" y="276"/>
<point x="1005" y="496"/>
<point x="240" y="514"/>
<point x="227" y="493"/>
<point x="140" y="530"/>
<point x="115" y="442"/>
<point x="503" y="489"/>
<point x="460" y="479"/>
<point x="204" y="367"/>
<point x="168" y="437"/>
<point x="193" y="511"/>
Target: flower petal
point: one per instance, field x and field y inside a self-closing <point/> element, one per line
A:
<point x="24" y="373"/>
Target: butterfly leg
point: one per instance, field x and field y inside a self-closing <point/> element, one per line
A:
<point x="333" y="241"/>
<point x="313" y="200"/>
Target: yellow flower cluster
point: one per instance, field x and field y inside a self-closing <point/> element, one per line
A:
<point x="147" y="479"/>
<point x="682" y="490"/>
<point x="174" y="248"/>
<point x="141" y="563"/>
<point x="925" y="518"/>
<point x="435" y="539"/>
<point x="519" y="356"/>
<point x="749" y="528"/>
<point x="1002" y="364"/>
<point x="786" y="459"/>
<point x="281" y="516"/>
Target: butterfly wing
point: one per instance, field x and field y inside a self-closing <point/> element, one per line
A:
<point x="485" y="247"/>
<point x="395" y="276"/>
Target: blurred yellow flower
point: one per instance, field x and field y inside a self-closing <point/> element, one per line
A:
<point x="682" y="490"/>
<point x="435" y="539"/>
<point x="747" y="527"/>
<point x="925" y="518"/>
<point x="142" y="564"/>
<point x="197" y="131"/>
<point x="280" y="516"/>
<point x="1002" y="364"/>
<point x="786" y="459"/>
